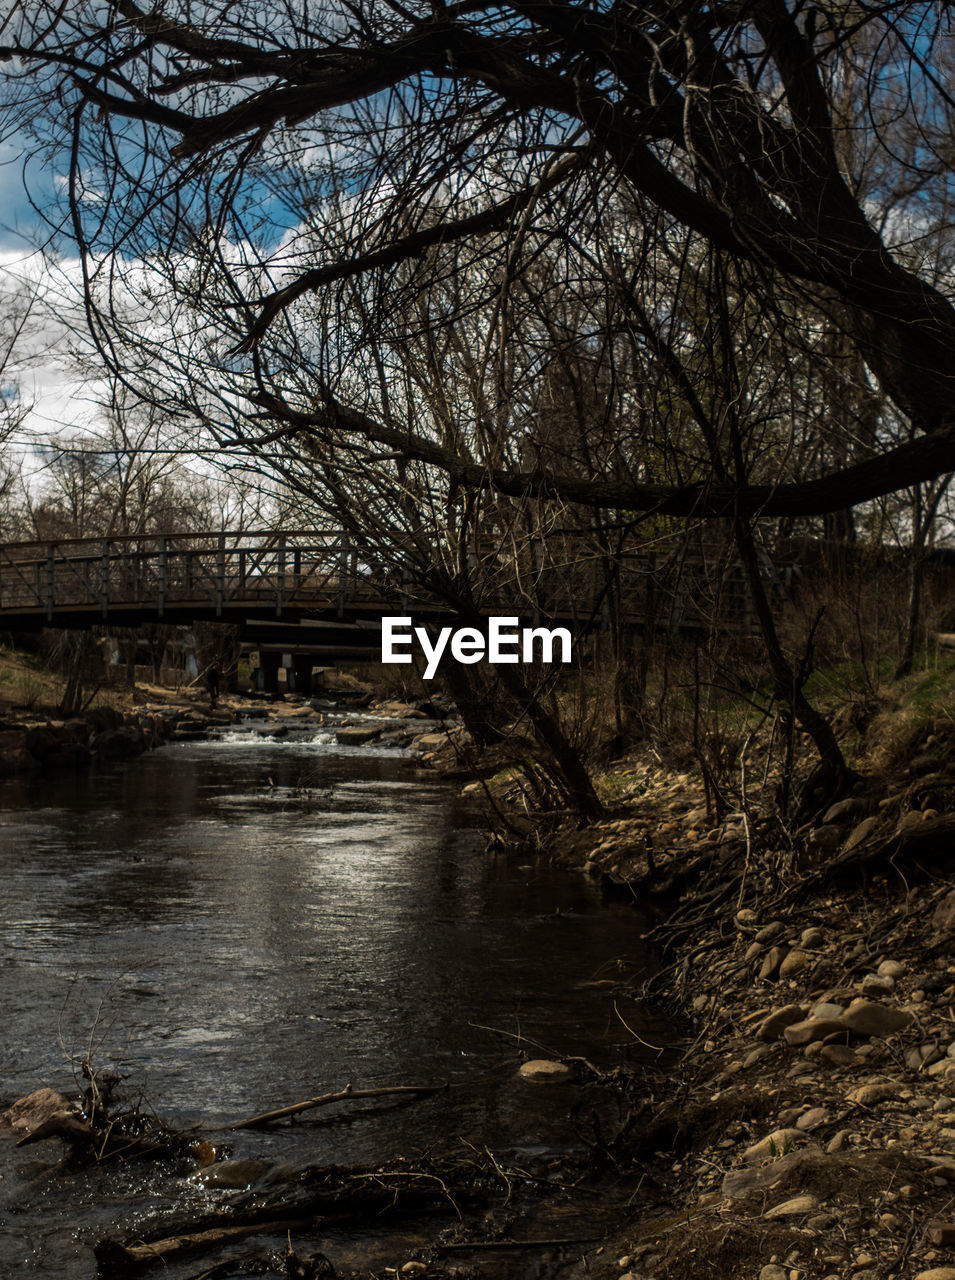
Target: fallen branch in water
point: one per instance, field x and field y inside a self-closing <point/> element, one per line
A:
<point x="115" y="1259"/>
<point x="348" y="1094"/>
<point x="466" y="1246"/>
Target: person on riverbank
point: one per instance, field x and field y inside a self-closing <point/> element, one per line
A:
<point x="212" y="684"/>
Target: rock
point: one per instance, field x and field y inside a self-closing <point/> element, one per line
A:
<point x="826" y="838"/>
<point x="773" y="960"/>
<point x="773" y="1146"/>
<point x="357" y="735"/>
<point x="738" y="1183"/>
<point x="772" y="1271"/>
<point x="771" y="931"/>
<point x="790" y="1208"/>
<point x="943" y="917"/>
<point x="746" y="918"/>
<point x="772" y="1028"/>
<point x="861" y="832"/>
<point x="812" y="1119"/>
<point x="843" y="810"/>
<point x="937" y="1273"/>
<point x="33" y="1110"/>
<point x="827" y="1009"/>
<point x="874" y="984"/>
<point x="794" y="963"/>
<point x="837" y="1142"/>
<point x="920" y="1055"/>
<point x="812" y="1029"/>
<point x="866" y="1018"/>
<point x="839" y="1055"/>
<point x="869" y="1094"/>
<point x="812" y="938"/>
<point x="232" y="1175"/>
<point x="890" y="969"/>
<point x="544" y="1071"/>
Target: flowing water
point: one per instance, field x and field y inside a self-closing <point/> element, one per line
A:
<point x="240" y="924"/>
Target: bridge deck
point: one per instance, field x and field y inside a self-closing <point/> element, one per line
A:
<point x="241" y="577"/>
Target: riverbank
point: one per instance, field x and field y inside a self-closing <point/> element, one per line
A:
<point x="810" y="1126"/>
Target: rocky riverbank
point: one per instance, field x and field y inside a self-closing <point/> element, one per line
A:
<point x="807" y="1131"/>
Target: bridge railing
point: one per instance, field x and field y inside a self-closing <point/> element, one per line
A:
<point x="155" y="572"/>
<point x="570" y="575"/>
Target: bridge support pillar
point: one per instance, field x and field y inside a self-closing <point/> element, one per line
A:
<point x="268" y="674"/>
<point x="303" y="675"/>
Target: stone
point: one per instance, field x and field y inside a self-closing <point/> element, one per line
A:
<point x="772" y="1271"/>
<point x="861" y="832"/>
<point x="794" y="963"/>
<point x="790" y="1208"/>
<point x="29" y="1112"/>
<point x="357" y="735"/>
<point x="752" y="951"/>
<point x="232" y="1175"/>
<point x="544" y="1071"/>
<point x="827" y="1009"/>
<point x="937" y="1273"/>
<point x="812" y="1029"/>
<point x="738" y="1183"/>
<point x="772" y="1028"/>
<point x="812" y="938"/>
<point x="843" y="810"/>
<point x="837" y="1142"/>
<point x="920" y="1055"/>
<point x="812" y="1119"/>
<point x="826" y="838"/>
<point x="770" y="931"/>
<point x="771" y="963"/>
<point x="890" y="969"/>
<point x="874" y="984"/>
<point x="943" y="917"/>
<point x="746" y="918"/>
<point x="773" y="1146"/>
<point x="868" y="1095"/>
<point x="866" y="1018"/>
<point x="838" y="1055"/>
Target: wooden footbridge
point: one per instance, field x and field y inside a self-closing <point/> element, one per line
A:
<point x="309" y="579"/>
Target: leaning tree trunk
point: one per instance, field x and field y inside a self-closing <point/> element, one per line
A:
<point x="785" y="683"/>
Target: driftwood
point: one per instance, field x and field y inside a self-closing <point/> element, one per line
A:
<point x="468" y="1246"/>
<point x="323" y="1195"/>
<point x="115" y="1259"/>
<point x="348" y="1094"/>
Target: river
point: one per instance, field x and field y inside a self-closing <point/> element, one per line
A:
<point x="239" y="924"/>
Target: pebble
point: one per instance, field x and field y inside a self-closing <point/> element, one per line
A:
<point x="874" y="985"/>
<point x="770" y="931"/>
<point x="772" y="1028"/>
<point x="790" y="1208"/>
<point x="812" y="938"/>
<point x="544" y="1071"/>
<point x="867" y="1018"/>
<point x="937" y="1273"/>
<point x="890" y="969"/>
<point x="794" y="963"/>
<point x="812" y="1029"/>
<point x="772" y="1146"/>
<point x="868" y="1094"/>
<point x="773" y="1272"/>
<point x="837" y="1142"/>
<point x="771" y="963"/>
<point x="840" y="1055"/>
<point x="812" y="1119"/>
<point x="826" y="1009"/>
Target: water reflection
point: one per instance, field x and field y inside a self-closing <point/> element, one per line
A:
<point x="237" y="944"/>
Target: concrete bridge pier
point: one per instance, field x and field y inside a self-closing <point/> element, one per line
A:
<point x="267" y="676"/>
<point x="302" y="672"/>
